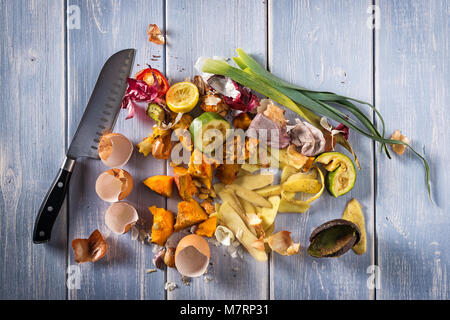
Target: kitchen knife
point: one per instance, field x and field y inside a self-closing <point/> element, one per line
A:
<point x="99" y="116"/>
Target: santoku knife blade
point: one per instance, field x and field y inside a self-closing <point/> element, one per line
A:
<point x="99" y="116"/>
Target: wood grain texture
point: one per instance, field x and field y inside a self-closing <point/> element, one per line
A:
<point x="412" y="83"/>
<point x="203" y="28"/>
<point x="31" y="146"/>
<point x="318" y="44"/>
<point x="107" y="27"/>
<point x="324" y="45"/>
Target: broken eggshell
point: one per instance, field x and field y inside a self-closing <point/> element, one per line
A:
<point x="91" y="249"/>
<point x="120" y="217"/>
<point x="114" y="149"/>
<point x="333" y="238"/>
<point x="114" y="185"/>
<point x="192" y="256"/>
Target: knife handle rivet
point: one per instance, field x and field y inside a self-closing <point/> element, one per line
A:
<point x="60" y="184"/>
<point x="50" y="209"/>
<point x="41" y="233"/>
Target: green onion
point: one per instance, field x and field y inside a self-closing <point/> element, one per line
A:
<point x="308" y="104"/>
<point x="246" y="61"/>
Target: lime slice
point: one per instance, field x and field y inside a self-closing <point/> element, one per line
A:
<point x="341" y="174"/>
<point x="209" y="131"/>
<point x="182" y="97"/>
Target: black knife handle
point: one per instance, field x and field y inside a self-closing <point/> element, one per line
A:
<point x="52" y="203"/>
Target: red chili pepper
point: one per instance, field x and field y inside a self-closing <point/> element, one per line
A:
<point x="148" y="76"/>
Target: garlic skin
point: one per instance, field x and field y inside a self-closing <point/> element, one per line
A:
<point x="308" y="140"/>
<point x="224" y="235"/>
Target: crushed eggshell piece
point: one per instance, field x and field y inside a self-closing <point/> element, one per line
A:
<point x="114" y="149"/>
<point x="91" y="249"/>
<point x="282" y="243"/>
<point x="120" y="217"/>
<point x="114" y="185"/>
<point x="192" y="256"/>
<point x="399" y="148"/>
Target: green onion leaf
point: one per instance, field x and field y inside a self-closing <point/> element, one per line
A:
<point x="308" y="104"/>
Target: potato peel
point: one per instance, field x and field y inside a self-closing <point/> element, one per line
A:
<point x="353" y="213"/>
<point x="288" y="200"/>
<point x="250" y="196"/>
<point x="258" y="244"/>
<point x="231" y="219"/>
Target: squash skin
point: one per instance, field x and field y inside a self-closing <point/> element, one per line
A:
<point x="202" y="171"/>
<point x="160" y="184"/>
<point x="226" y="173"/>
<point x="207" y="227"/>
<point x="189" y="213"/>
<point x="163" y="225"/>
<point x="185" y="185"/>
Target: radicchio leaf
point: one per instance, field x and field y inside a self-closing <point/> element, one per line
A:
<point x="235" y="95"/>
<point x="139" y="91"/>
<point x="343" y="129"/>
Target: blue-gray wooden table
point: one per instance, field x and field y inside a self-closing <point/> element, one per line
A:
<point x="394" y="54"/>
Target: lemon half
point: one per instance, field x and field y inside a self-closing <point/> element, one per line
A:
<point x="182" y="97"/>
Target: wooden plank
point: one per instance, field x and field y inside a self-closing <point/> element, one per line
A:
<point x="202" y="28"/>
<point x="412" y="92"/>
<point x="324" y="45"/>
<point x="107" y="27"/>
<point x="31" y="146"/>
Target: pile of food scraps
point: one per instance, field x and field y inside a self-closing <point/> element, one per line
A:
<point x="237" y="163"/>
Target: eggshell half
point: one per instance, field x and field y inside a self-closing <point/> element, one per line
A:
<point x="120" y="216"/>
<point x="114" y="185"/>
<point x="115" y="149"/>
<point x="192" y="256"/>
